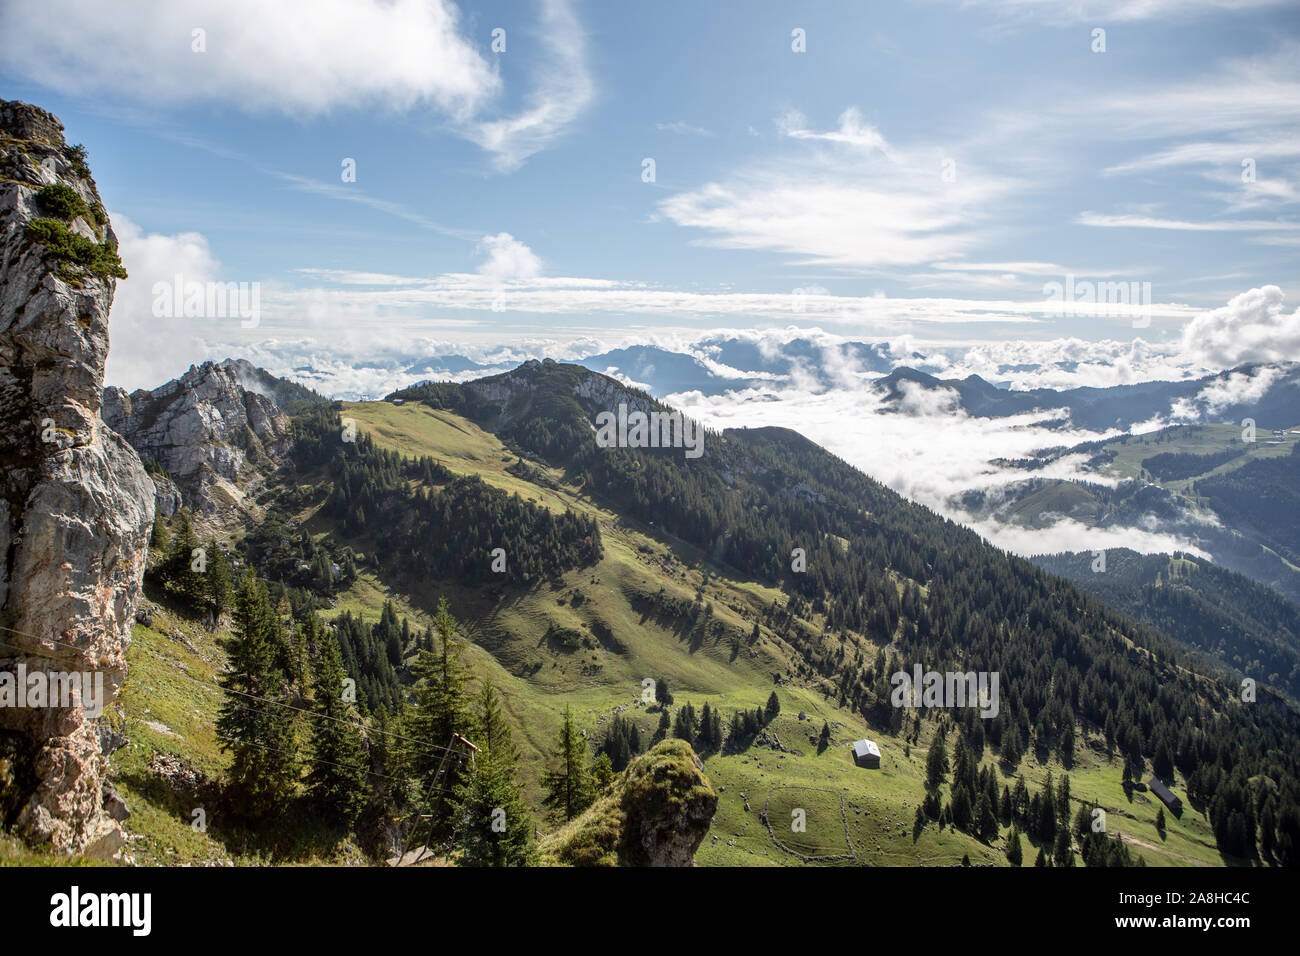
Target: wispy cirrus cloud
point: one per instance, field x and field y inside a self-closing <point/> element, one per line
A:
<point x="1129" y="221"/>
<point x="683" y="129"/>
<point x="1229" y="153"/>
<point x="494" y="290"/>
<point x="562" y="90"/>
<point x="845" y="198"/>
<point x="1113" y="11"/>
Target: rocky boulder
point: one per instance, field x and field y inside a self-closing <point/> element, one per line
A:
<point x="656" y="814"/>
<point x="77" y="504"/>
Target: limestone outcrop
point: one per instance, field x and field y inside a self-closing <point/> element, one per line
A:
<point x="77" y="503"/>
<point x="208" y="438"/>
<point x="656" y="814"/>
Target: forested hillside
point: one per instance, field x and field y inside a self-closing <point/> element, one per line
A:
<point x="461" y="603"/>
<point x="1263" y="494"/>
<point x="897" y="575"/>
<point x="1228" y="490"/>
<point x="1248" y="627"/>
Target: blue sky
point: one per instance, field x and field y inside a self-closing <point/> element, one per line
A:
<point x="515" y="179"/>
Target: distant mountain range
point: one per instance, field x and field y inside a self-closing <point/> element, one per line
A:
<point x="1267" y="394"/>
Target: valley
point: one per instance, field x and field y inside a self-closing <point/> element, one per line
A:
<point x="853" y="816"/>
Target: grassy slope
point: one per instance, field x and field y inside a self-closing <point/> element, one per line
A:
<point x="1196" y="440"/>
<point x="168" y="704"/>
<point x="881" y="804"/>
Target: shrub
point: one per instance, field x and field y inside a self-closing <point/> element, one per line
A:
<point x="76" y="155"/>
<point x="62" y="202"/>
<point x="101" y="258"/>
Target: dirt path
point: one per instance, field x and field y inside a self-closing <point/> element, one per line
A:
<point x="1163" y="850"/>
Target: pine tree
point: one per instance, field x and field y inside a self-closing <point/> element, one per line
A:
<point x="217" y="580"/>
<point x="1015" y="851"/>
<point x="662" y="696"/>
<point x="1020" y="800"/>
<point x="1082" y="822"/>
<point x="602" y="773"/>
<point x="251" y="725"/>
<point x="1063" y="796"/>
<point x="1160" y="821"/>
<point x="773" y="707"/>
<point x="391" y="787"/>
<point x="178" y="570"/>
<point x="1063" y="855"/>
<point x="441" y="713"/>
<point x="568" y="786"/>
<point x="337" y="780"/>
<point x="1010" y="750"/>
<point x="685" y="725"/>
<point x="665" y="725"/>
<point x="936" y="762"/>
<point x="986" y="821"/>
<point x="158" y="536"/>
<point x="1047" y="812"/>
<point x="495" y="829"/>
<point x="490" y="727"/>
<point x="961" y="807"/>
<point x="703" y="740"/>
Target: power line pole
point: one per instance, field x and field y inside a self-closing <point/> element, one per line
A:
<point x="438" y="776"/>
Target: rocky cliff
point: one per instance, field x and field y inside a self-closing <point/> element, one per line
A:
<point x="209" y="438"/>
<point x="656" y="814"/>
<point x="77" y="503"/>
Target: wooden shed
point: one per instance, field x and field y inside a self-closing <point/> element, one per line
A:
<point x="1165" y="794"/>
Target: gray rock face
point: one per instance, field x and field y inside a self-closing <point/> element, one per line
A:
<point x="212" y="438"/>
<point x="77" y="503"/>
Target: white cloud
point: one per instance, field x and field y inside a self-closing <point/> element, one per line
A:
<point x="1236" y="388"/>
<point x="918" y="401"/>
<point x="845" y="199"/>
<point x="508" y="258"/>
<point x="682" y="129"/>
<point x="1028" y="268"/>
<point x="1113" y="11"/>
<point x="1067" y="534"/>
<point x="580" y="296"/>
<point x="1152" y="222"/>
<point x="298" y="57"/>
<point x="852" y="131"/>
<point x="1252" y="327"/>
<point x="935" y="452"/>
<point x="562" y="90"/>
<point x="145" y="350"/>
<point x="291" y="56"/>
<point x="1227" y="153"/>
